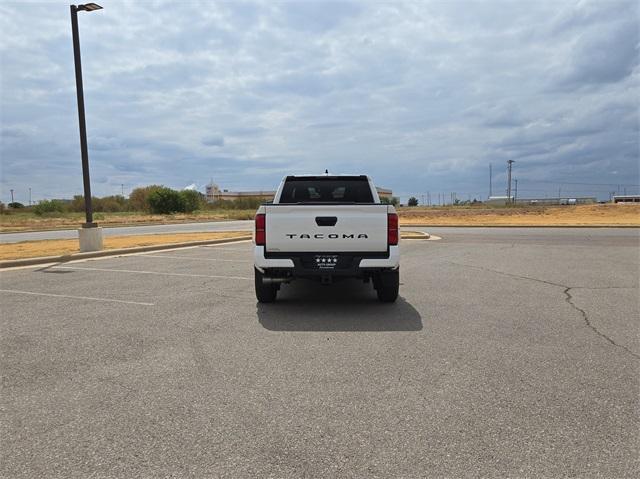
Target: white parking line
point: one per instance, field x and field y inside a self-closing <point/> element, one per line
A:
<point x="160" y="273"/>
<point x="199" y="258"/>
<point x="74" y="297"/>
<point x="248" y="250"/>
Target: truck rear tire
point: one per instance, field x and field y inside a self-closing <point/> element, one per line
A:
<point x="265" y="293"/>
<point x="387" y="285"/>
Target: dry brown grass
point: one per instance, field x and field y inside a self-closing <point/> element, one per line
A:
<point x="33" y="249"/>
<point x="580" y="215"/>
<point x="20" y="221"/>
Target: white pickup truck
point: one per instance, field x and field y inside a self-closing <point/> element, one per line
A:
<point x="326" y="228"/>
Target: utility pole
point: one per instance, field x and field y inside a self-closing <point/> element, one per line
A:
<point x="122" y="184"/>
<point x="12" y="196"/>
<point x="490" y="182"/>
<point x="509" y="163"/>
<point x="515" y="196"/>
<point x="29" y="196"/>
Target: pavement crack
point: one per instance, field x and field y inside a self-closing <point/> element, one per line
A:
<point x="511" y="275"/>
<point x="568" y="299"/>
<point x="585" y="317"/>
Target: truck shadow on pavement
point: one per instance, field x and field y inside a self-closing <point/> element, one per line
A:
<point x="349" y="305"/>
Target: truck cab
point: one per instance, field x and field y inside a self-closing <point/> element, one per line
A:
<point x="326" y="228"/>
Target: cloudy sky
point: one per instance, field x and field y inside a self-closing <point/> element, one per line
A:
<point x="422" y="96"/>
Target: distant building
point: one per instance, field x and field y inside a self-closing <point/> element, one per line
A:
<point x="498" y="200"/>
<point x="626" y="198"/>
<point x="384" y="192"/>
<point x="214" y="193"/>
<point x="567" y="200"/>
<point x="575" y="200"/>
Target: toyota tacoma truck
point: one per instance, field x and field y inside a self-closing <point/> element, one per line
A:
<point x="326" y="228"/>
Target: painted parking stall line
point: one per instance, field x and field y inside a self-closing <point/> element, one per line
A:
<point x="247" y="250"/>
<point x="67" y="296"/>
<point x="160" y="273"/>
<point x="199" y="258"/>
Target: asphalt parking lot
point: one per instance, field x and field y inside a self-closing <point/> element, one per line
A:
<point x="511" y="353"/>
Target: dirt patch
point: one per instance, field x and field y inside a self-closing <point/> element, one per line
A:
<point x="32" y="249"/>
<point x="580" y="215"/>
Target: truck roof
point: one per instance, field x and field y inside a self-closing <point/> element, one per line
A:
<point x="320" y="177"/>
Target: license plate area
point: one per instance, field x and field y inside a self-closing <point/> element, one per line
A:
<point x="326" y="261"/>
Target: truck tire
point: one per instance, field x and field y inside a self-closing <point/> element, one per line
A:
<point x="387" y="285"/>
<point x="265" y="293"/>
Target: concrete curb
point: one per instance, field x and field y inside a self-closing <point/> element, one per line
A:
<point x="12" y="263"/>
<point x="414" y="235"/>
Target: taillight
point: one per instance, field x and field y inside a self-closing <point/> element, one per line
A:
<point x="392" y="229"/>
<point x="260" y="230"/>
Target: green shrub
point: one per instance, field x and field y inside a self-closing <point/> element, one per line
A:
<point x="49" y="206"/>
<point x="139" y="197"/>
<point x="77" y="204"/>
<point x="107" y="204"/>
<point x="110" y="204"/>
<point x="166" y="201"/>
<point x="191" y="200"/>
<point x="413" y="201"/>
<point x="15" y="205"/>
<point x="390" y="201"/>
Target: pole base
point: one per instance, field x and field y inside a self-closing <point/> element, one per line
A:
<point x="90" y="239"/>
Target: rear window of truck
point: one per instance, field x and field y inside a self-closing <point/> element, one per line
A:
<point x="326" y="190"/>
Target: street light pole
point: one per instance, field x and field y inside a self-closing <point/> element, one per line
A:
<point x="81" y="118"/>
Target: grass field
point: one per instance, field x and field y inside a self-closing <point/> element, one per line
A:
<point x="581" y="215"/>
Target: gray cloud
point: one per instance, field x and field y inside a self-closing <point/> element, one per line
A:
<point x="606" y="57"/>
<point x="420" y="95"/>
<point x="213" y="141"/>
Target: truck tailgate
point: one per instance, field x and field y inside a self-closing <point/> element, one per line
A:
<point x="311" y="228"/>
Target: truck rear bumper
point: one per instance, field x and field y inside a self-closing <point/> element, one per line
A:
<point x="300" y="263"/>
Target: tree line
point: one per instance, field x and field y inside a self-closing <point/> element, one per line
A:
<point x="154" y="199"/>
